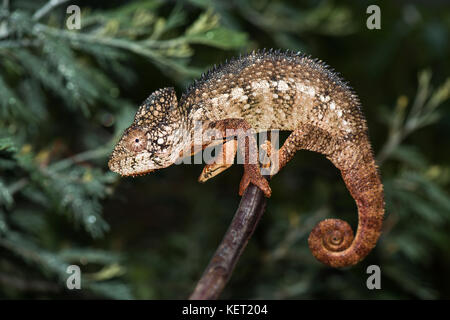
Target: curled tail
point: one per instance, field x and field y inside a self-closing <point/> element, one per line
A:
<point x="332" y="241"/>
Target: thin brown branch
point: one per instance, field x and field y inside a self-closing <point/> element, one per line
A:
<point x="49" y="6"/>
<point x="221" y="266"/>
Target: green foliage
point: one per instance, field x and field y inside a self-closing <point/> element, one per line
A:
<point x="66" y="95"/>
<point x="58" y="97"/>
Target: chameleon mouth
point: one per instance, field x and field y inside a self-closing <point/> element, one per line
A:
<point x="123" y="168"/>
<point x="138" y="174"/>
<point x="128" y="166"/>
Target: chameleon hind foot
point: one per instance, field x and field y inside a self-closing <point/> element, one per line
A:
<point x="253" y="175"/>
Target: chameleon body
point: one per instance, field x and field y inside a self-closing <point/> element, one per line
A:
<point x="262" y="91"/>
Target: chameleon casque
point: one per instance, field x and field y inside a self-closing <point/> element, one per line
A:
<point x="262" y="91"/>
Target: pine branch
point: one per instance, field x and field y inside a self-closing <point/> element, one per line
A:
<point x="221" y="266"/>
<point x="135" y="47"/>
<point x="422" y="113"/>
<point x="49" y="6"/>
<point x="20" y="43"/>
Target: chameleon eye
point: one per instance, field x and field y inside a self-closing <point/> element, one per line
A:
<point x="136" y="140"/>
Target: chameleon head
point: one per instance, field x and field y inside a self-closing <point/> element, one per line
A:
<point x="153" y="140"/>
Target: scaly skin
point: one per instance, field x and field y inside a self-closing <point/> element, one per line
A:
<point x="264" y="91"/>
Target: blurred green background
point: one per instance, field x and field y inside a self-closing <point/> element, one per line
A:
<point x="66" y="95"/>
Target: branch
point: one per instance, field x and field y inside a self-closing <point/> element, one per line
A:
<point x="136" y="47"/>
<point x="47" y="8"/>
<point x="221" y="266"/>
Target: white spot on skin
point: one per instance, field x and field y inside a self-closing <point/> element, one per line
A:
<point x="282" y="86"/>
<point x="198" y="114"/>
<point x="223" y="99"/>
<point x="160" y="141"/>
<point x="140" y="157"/>
<point x="305" y="89"/>
<point x="300" y="87"/>
<point x="237" y="93"/>
<point x="275" y="96"/>
<point x="324" y="98"/>
<point x="260" y="85"/>
<point x="332" y="105"/>
<point x="339" y="113"/>
<point x="215" y="102"/>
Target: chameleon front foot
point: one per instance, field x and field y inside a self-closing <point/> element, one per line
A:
<point x="223" y="161"/>
<point x="212" y="170"/>
<point x="253" y="175"/>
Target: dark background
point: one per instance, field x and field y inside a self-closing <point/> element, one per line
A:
<point x="66" y="96"/>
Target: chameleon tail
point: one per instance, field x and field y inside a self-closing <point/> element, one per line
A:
<point x="331" y="241"/>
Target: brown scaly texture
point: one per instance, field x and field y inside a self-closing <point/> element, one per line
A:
<point x="269" y="90"/>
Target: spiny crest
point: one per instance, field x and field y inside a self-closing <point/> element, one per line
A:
<point x="236" y="64"/>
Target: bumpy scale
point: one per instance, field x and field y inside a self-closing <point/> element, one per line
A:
<point x="263" y="91"/>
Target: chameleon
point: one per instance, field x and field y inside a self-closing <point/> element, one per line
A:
<point x="260" y="91"/>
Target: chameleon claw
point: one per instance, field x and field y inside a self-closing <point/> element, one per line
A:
<point x="271" y="160"/>
<point x="223" y="161"/>
<point x="256" y="180"/>
<point x="212" y="170"/>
